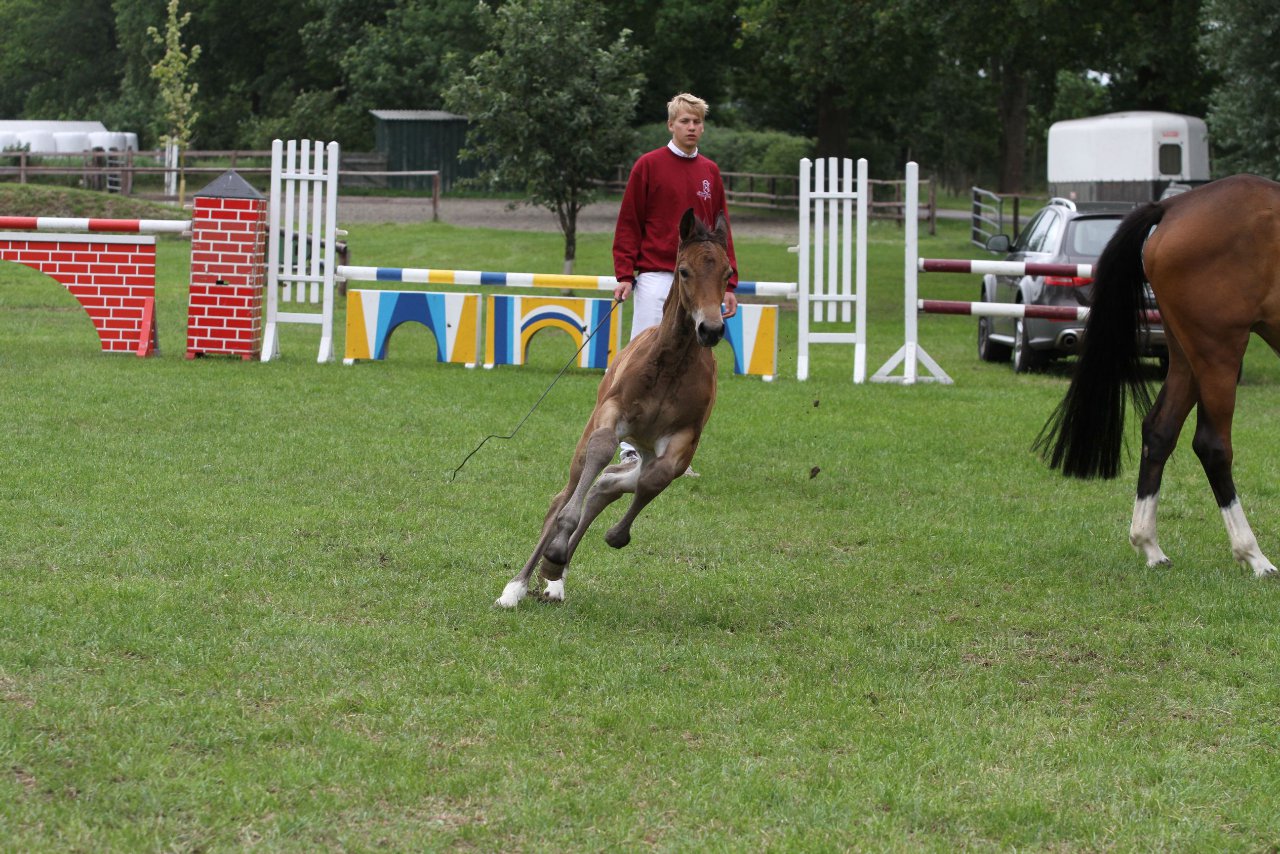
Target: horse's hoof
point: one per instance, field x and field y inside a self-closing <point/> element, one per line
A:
<point x="617" y="539"/>
<point x="554" y="591"/>
<point x="511" y="595"/>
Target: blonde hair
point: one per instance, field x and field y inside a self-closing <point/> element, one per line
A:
<point x="686" y="103"/>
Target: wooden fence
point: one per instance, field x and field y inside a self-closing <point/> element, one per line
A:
<point x="781" y="193"/>
<point x="119" y="171"/>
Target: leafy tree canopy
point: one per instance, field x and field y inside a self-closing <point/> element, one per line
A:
<point x="551" y="103"/>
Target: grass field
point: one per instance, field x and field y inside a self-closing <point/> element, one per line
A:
<point x="243" y="606"/>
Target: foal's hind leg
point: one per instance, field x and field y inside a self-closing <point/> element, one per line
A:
<point x="1212" y="444"/>
<point x="651" y="479"/>
<point x="1160" y="431"/>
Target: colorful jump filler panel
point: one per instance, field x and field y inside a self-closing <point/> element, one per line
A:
<point x="753" y="334"/>
<point x="511" y="321"/>
<point x="454" y="320"/>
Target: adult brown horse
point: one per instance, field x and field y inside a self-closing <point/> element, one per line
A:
<point x="1212" y="256"/>
<point x="657" y="395"/>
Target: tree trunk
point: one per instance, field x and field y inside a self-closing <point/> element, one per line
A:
<point x="833" y="125"/>
<point x="1013" y="130"/>
<point x="568" y="215"/>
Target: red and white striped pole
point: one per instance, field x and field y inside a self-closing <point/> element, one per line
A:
<point x="1005" y="268"/>
<point x="117" y="226"/>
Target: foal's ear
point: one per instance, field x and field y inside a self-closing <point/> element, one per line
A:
<point x="722" y="229"/>
<point x="690" y="226"/>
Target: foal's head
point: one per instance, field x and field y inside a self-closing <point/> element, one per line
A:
<point x="702" y="273"/>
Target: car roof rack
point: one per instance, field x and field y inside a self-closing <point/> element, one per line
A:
<point x="1066" y="203"/>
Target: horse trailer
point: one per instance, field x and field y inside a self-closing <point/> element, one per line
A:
<point x="1126" y="157"/>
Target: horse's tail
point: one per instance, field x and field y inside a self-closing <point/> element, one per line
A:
<point x="1085" y="434"/>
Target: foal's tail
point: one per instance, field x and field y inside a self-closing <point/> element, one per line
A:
<point x="1085" y="435"/>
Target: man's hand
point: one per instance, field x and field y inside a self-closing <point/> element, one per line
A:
<point x="730" y="305"/>
<point x="622" y="291"/>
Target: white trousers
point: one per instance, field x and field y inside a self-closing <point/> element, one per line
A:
<point x="648" y="296"/>
<point x="647" y="299"/>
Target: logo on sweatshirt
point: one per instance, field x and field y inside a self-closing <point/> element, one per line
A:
<point x="705" y="192"/>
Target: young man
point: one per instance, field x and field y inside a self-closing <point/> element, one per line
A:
<point x="664" y="183"/>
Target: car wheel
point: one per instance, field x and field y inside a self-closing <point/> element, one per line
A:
<point x="988" y="350"/>
<point x="1025" y="359"/>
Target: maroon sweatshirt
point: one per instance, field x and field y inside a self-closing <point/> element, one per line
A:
<point x="662" y="186"/>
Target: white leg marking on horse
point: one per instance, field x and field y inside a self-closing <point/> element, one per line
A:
<point x="1142" y="531"/>
<point x="554" y="591"/>
<point x="512" y="594"/>
<point x="1244" y="545"/>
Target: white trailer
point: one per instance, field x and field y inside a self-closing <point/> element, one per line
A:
<point x="1126" y="157"/>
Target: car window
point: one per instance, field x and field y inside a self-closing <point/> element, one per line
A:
<point x="1032" y="237"/>
<point x="1052" y="236"/>
<point x="1089" y="236"/>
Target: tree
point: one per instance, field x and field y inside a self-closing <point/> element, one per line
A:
<point x="58" y="58"/>
<point x="177" y="95"/>
<point x="400" y="62"/>
<point x="816" y="63"/>
<point x="1244" y="114"/>
<point x="550" y="104"/>
<point x="1016" y="54"/>
<point x="1151" y="56"/>
<point x="688" y="47"/>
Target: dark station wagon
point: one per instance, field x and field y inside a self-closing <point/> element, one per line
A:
<point x="1063" y="232"/>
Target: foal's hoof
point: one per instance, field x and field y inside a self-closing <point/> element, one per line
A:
<point x="557" y="551"/>
<point x="617" y="539"/>
<point x="554" y="592"/>
<point x="511" y="595"/>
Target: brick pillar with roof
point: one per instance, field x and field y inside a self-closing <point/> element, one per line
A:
<point x="228" y="270"/>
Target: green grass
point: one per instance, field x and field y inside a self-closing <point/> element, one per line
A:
<point x="50" y="200"/>
<point x="243" y="606"/>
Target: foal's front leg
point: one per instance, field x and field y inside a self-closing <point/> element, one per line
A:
<point x="518" y="586"/>
<point x="599" y="450"/>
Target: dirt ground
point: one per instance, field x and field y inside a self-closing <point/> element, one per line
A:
<point x="491" y="213"/>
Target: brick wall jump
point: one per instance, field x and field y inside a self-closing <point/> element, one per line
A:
<point x="112" y="277"/>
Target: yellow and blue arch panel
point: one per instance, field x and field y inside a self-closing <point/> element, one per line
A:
<point x="753" y="334"/>
<point x="512" y="321"/>
<point x="454" y="320"/>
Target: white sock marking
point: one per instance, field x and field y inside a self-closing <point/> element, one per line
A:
<point x="1244" y="545"/>
<point x="1142" y="531"/>
<point x="512" y="594"/>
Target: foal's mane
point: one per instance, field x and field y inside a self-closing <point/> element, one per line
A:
<point x="702" y="233"/>
<point x="707" y="236"/>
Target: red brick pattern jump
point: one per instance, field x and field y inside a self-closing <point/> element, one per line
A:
<point x="112" y="276"/>
<point x="228" y="249"/>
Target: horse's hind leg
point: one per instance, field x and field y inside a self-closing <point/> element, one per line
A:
<point x="1160" y="431"/>
<point x="1212" y="445"/>
<point x="651" y="479"/>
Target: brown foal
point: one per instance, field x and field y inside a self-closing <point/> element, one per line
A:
<point x="657" y="395"/>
